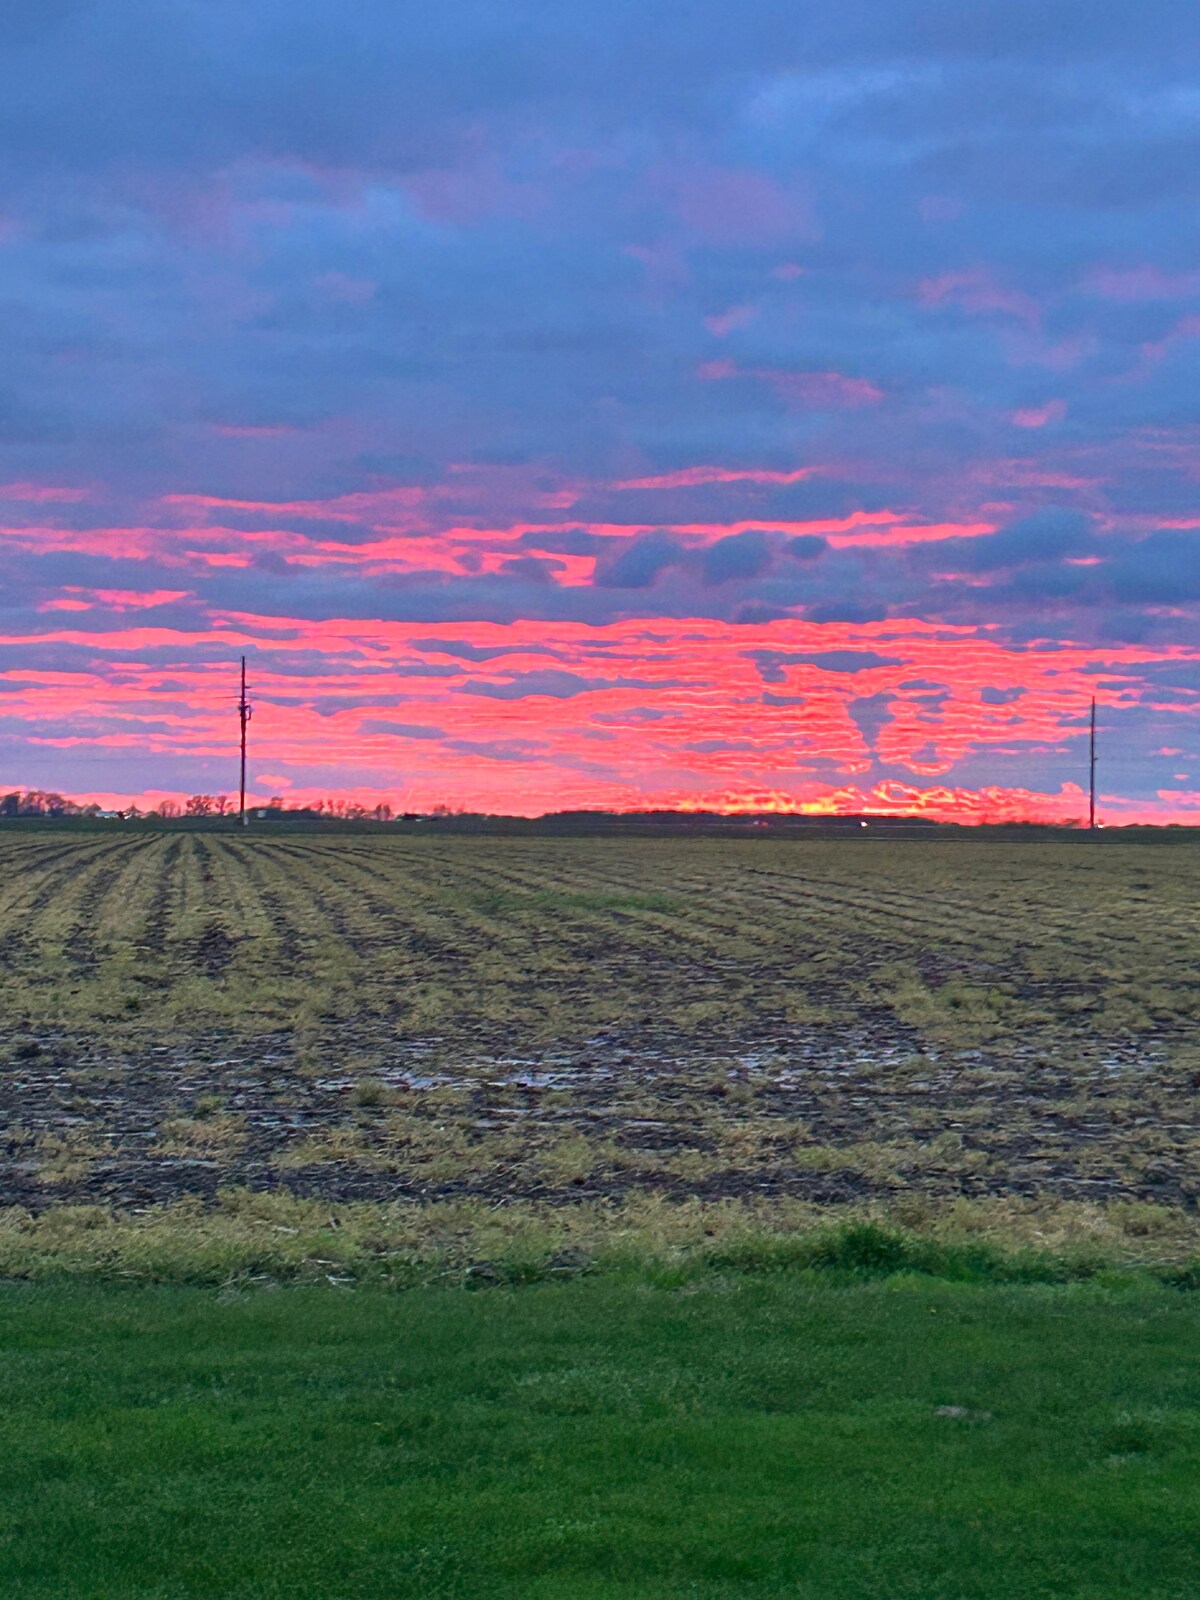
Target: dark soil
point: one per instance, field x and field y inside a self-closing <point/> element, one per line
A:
<point x="375" y="1019"/>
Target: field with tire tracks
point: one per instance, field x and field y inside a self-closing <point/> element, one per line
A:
<point x="389" y="1016"/>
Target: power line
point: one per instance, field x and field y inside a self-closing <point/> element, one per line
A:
<point x="1092" y="769"/>
<point x="245" y="712"/>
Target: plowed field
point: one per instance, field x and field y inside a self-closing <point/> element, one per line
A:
<point x="388" y="1016"/>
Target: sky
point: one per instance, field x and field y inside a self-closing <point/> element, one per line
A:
<point x="728" y="403"/>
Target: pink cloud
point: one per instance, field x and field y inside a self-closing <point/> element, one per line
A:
<point x="1039" y="416"/>
<point x="726" y="322"/>
<point x="138" y="599"/>
<point x="821" y="391"/>
<point x="471" y="192"/>
<point x="858" y="528"/>
<point x="399" y="507"/>
<point x="1141" y="283"/>
<point x="74" y="598"/>
<point x="1025" y="473"/>
<point x="1155" y="351"/>
<point x="725" y="205"/>
<point x="977" y="291"/>
<point x="691" y="477"/>
<point x="705" y="676"/>
<point x="1061" y="355"/>
<point x="901" y="532"/>
<point x="722" y="367"/>
<point x="665" y="266"/>
<point x="826" y="390"/>
<point x="42" y="493"/>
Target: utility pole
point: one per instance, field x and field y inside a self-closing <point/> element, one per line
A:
<point x="245" y="712"/>
<point x="1092" y="770"/>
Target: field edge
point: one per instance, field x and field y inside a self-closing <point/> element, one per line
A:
<point x="249" y="1237"/>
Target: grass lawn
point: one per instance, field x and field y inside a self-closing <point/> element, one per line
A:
<point x="738" y="1435"/>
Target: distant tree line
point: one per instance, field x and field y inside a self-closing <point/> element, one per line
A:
<point x="220" y="805"/>
<point x="43" y="803"/>
<point x="49" y="803"/>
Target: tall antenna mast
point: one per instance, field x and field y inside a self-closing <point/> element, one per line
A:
<point x="245" y="712"/>
<point x="1092" y="769"/>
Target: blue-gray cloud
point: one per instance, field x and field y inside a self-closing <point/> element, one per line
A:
<point x="558" y="684"/>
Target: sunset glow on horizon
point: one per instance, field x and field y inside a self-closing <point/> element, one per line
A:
<point x="556" y="418"/>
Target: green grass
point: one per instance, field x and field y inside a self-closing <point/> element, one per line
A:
<point x="249" y="1239"/>
<point x="733" y="1434"/>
